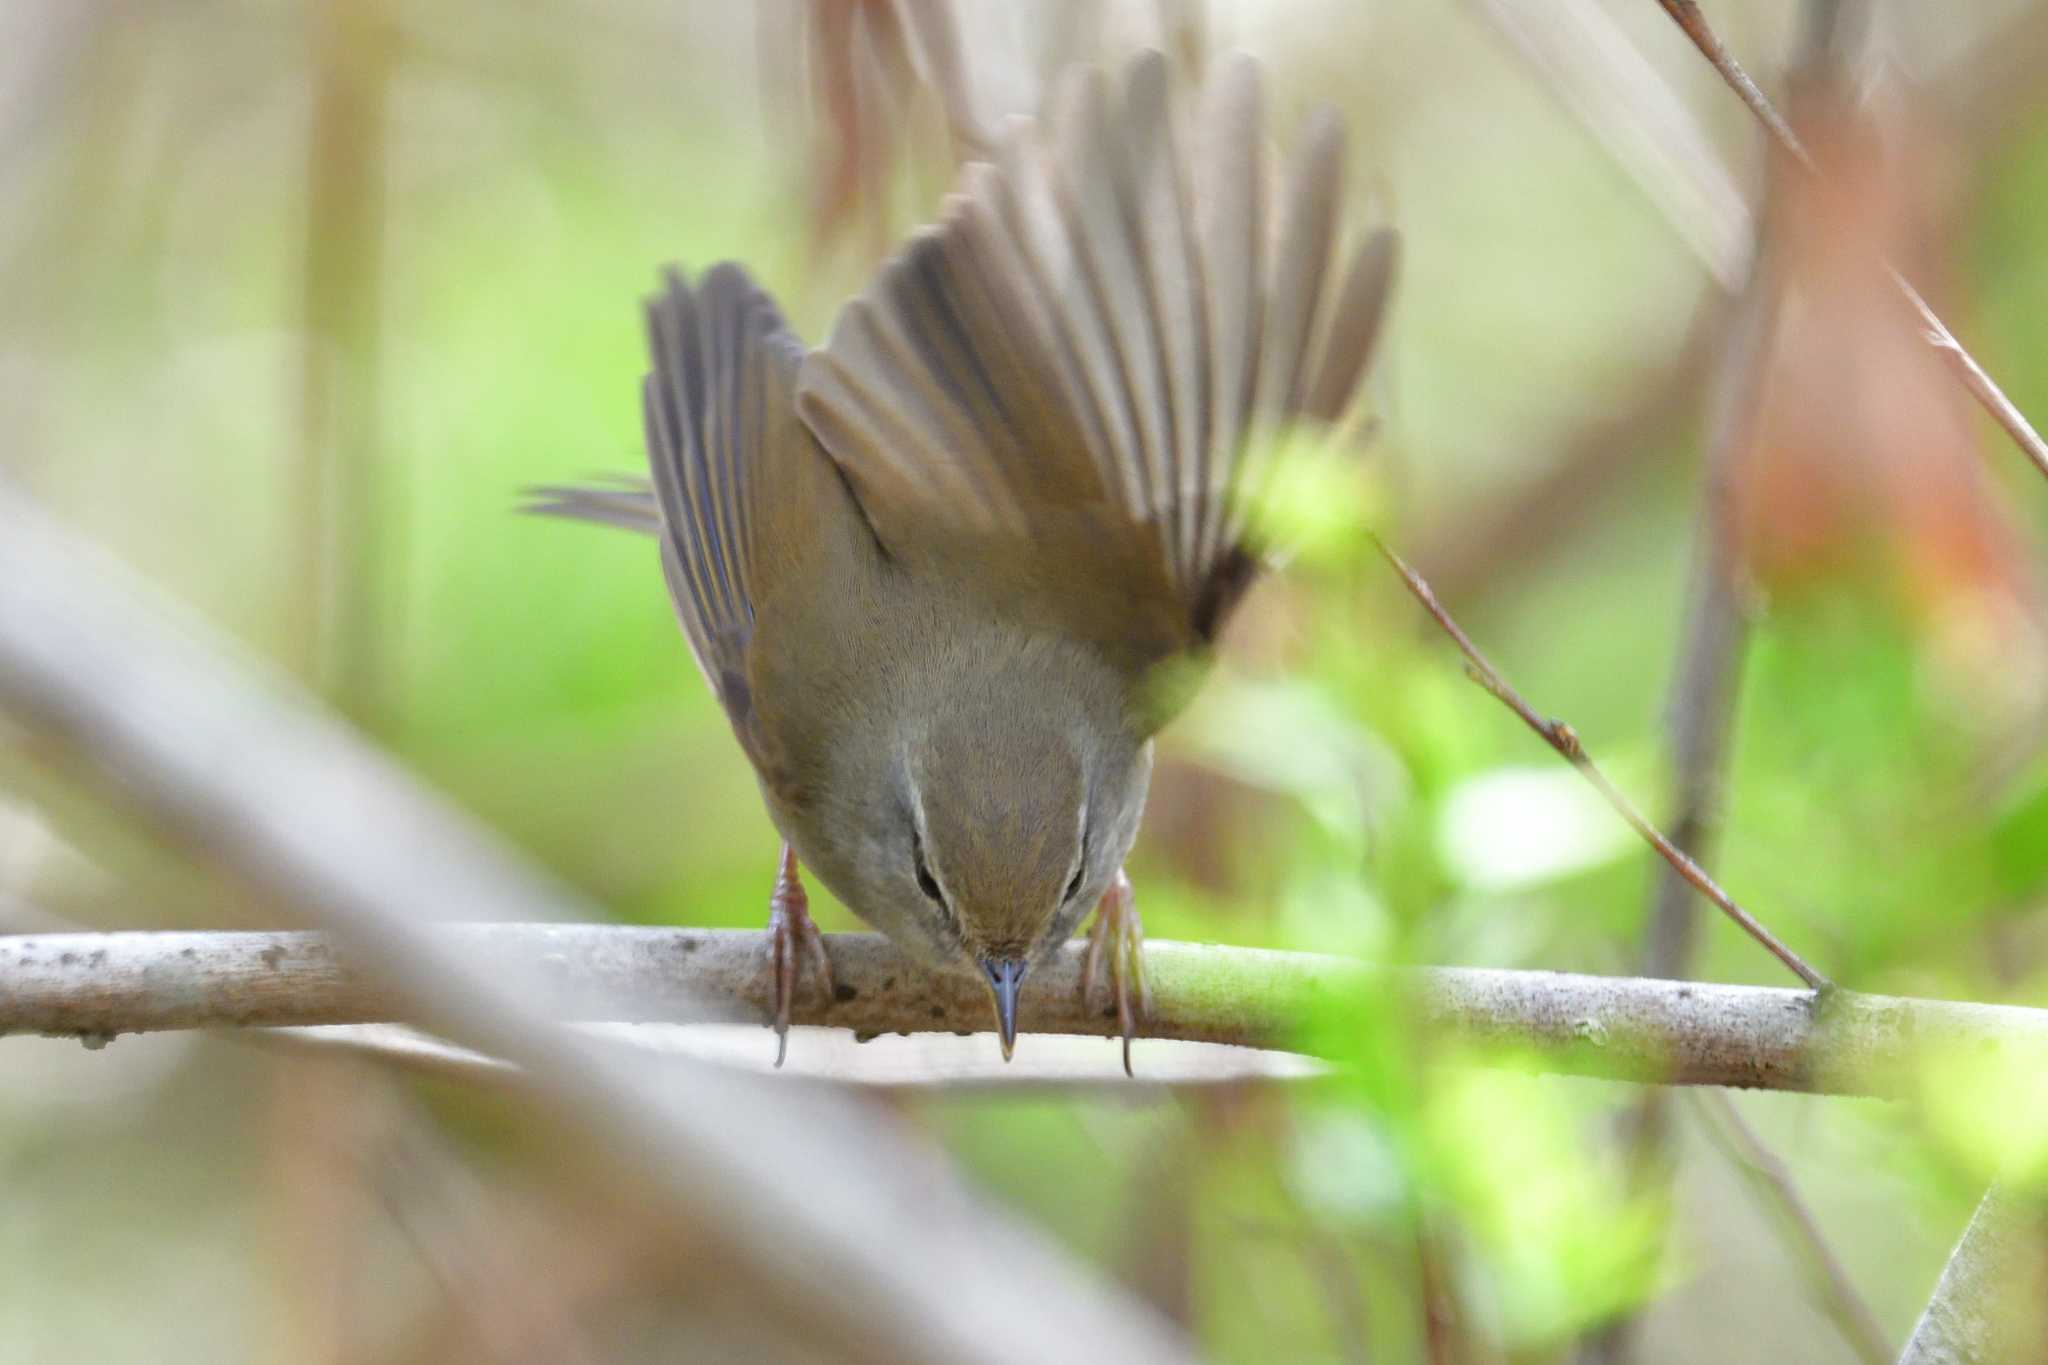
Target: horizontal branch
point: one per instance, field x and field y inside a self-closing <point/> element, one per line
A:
<point x="1687" y="1033"/>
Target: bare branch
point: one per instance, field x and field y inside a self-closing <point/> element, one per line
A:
<point x="1565" y="740"/>
<point x="1686" y="14"/>
<point x="1625" y="1028"/>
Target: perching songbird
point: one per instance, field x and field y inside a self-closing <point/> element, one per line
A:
<point x="938" y="569"/>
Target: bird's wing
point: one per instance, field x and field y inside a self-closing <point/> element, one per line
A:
<point x="744" y="503"/>
<point x="1052" y="393"/>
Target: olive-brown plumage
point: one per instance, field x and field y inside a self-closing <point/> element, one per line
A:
<point x="936" y="569"/>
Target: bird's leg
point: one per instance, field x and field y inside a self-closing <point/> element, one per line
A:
<point x="793" y="944"/>
<point x="1118" y="928"/>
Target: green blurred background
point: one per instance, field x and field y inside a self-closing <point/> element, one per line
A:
<point x="295" y="297"/>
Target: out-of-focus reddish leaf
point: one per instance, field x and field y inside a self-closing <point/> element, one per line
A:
<point x="1863" y="461"/>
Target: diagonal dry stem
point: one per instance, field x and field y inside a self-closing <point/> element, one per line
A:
<point x="1686" y="14"/>
<point x="1767" y="1173"/>
<point x="1561" y="737"/>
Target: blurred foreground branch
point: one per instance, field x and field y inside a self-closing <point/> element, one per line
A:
<point x="1625" y="1028"/>
<point x="804" y="1195"/>
<point x="1986" y="1307"/>
<point x="1585" y="58"/>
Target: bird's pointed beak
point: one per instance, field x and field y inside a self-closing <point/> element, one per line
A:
<point x="1004" y="976"/>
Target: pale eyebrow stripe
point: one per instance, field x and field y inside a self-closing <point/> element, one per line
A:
<point x="1081" y="853"/>
<point x="922" y="846"/>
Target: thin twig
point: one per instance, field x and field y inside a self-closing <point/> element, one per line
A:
<point x="1439" y="1306"/>
<point x="1343" y="1283"/>
<point x="1597" y="72"/>
<point x="1561" y="737"/>
<point x="1844" y="1306"/>
<point x="1686" y="14"/>
<point x="1980" y="384"/>
<point x="96" y="986"/>
<point x="492" y="1303"/>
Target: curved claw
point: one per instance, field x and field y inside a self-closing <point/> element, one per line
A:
<point x="794" y="944"/>
<point x="1118" y="928"/>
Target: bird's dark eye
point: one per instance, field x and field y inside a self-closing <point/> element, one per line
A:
<point x="926" y="882"/>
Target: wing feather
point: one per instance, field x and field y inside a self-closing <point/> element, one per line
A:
<point x="1354" y="327"/>
<point x="1156" y="205"/>
<point x="1052" y="392"/>
<point x="1232" y="226"/>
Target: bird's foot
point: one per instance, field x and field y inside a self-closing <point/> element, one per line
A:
<point x="1119" y="935"/>
<point x="794" y="946"/>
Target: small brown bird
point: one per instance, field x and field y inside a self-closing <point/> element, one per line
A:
<point x="940" y="571"/>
